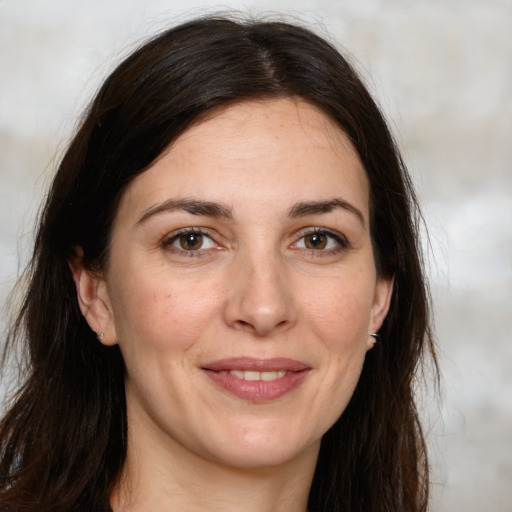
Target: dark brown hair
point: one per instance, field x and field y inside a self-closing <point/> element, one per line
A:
<point x="63" y="439"/>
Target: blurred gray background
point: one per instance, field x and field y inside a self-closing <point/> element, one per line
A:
<point x="442" y="71"/>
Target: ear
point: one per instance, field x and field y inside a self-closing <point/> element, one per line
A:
<point x="380" y="306"/>
<point x="93" y="300"/>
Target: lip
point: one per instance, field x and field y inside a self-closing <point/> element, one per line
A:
<point x="259" y="390"/>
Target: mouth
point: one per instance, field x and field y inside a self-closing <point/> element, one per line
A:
<point x="254" y="375"/>
<point x="258" y="380"/>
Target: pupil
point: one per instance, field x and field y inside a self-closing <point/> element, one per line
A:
<point x="191" y="241"/>
<point x="317" y="241"/>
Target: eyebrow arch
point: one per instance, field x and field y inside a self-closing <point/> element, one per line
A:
<point x="313" y="207"/>
<point x="193" y="206"/>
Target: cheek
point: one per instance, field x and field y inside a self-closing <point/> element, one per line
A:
<point x="161" y="314"/>
<point x="340" y="311"/>
<point x="340" y="320"/>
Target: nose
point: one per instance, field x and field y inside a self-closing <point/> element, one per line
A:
<point x="260" y="298"/>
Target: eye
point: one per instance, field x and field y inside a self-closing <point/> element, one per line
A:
<point x="316" y="241"/>
<point x="322" y="241"/>
<point x="190" y="240"/>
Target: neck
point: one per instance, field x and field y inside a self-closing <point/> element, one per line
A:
<point x="183" y="481"/>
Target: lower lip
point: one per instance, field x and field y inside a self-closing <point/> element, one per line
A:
<point x="258" y="390"/>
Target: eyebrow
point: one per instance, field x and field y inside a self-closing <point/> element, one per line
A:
<point x="218" y="210"/>
<point x="193" y="206"/>
<point x="314" y="207"/>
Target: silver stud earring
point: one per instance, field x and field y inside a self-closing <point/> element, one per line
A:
<point x="99" y="335"/>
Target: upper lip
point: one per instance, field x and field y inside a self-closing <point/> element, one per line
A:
<point x="256" y="364"/>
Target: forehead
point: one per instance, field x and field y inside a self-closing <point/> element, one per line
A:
<point x="262" y="152"/>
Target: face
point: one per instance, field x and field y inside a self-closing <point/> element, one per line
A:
<point x="241" y="286"/>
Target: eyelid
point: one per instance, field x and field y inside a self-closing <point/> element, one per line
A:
<point x="169" y="239"/>
<point x="339" y="238"/>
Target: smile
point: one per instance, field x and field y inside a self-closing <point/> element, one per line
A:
<point x="255" y="375"/>
<point x="257" y="380"/>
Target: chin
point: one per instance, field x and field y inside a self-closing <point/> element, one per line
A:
<point x="264" y="448"/>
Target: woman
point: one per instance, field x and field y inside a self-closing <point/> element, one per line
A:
<point x="229" y="233"/>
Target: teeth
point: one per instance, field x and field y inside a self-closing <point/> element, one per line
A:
<point x="253" y="376"/>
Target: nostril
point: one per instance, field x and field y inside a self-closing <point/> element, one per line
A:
<point x="242" y="324"/>
<point x="259" y="328"/>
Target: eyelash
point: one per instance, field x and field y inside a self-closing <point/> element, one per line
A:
<point x="168" y="241"/>
<point x="339" y="239"/>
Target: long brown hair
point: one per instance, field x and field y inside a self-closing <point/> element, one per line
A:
<point x="63" y="439"/>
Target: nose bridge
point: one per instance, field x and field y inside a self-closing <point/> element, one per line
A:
<point x="261" y="299"/>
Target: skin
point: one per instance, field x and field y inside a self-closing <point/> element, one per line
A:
<point x="257" y="287"/>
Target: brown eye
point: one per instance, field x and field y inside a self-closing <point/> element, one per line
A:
<point x="316" y="241"/>
<point x="322" y="242"/>
<point x="190" y="241"/>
